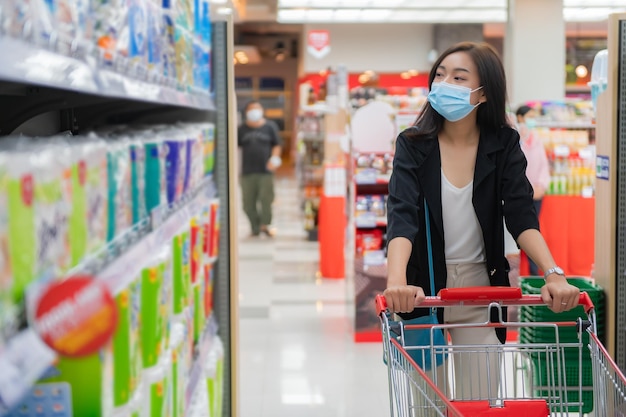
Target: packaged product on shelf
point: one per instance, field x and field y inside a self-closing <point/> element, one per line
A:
<point x="155" y="172"/>
<point x="166" y="296"/>
<point x="169" y="41"/>
<point x="22" y="242"/>
<point x="209" y="148"/>
<point x="196" y="249"/>
<point x="8" y="309"/>
<point x="214" y="373"/>
<point x="181" y="279"/>
<point x="110" y="19"/>
<point x="157" y="390"/>
<point x="138" y="183"/>
<point x="179" y="369"/>
<point x="137" y="32"/>
<point x="127" y="344"/>
<point x="185" y="17"/>
<point x="85" y="383"/>
<point x="183" y="43"/>
<point x="199" y="316"/>
<point x="152" y="327"/>
<point x="208" y="290"/>
<point x="155" y="38"/>
<point x="72" y="23"/>
<point x="52" y="209"/>
<point x="175" y="165"/>
<point x="120" y="215"/>
<point x="211" y="228"/>
<point x="88" y="219"/>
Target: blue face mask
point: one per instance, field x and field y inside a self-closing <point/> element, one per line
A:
<point x="531" y="123"/>
<point x="451" y="101"/>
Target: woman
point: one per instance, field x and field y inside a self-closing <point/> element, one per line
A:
<point x="538" y="169"/>
<point x="464" y="160"/>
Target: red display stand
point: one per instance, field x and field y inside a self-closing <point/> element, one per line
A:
<point x="567" y="224"/>
<point x="332" y="236"/>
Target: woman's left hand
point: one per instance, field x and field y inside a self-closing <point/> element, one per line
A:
<point x="558" y="294"/>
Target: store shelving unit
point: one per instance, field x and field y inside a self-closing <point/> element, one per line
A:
<point x="44" y="92"/>
<point x="369" y="223"/>
<point x="310" y="165"/>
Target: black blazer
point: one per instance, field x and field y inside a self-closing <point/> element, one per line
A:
<point x="500" y="190"/>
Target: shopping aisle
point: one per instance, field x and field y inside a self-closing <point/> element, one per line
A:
<point x="297" y="352"/>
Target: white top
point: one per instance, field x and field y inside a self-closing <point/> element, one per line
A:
<point x="463" y="235"/>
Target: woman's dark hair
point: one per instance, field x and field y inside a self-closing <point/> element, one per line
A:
<point x="490" y="114"/>
<point x="523" y="110"/>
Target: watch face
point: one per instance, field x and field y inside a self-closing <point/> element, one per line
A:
<point x="558" y="270"/>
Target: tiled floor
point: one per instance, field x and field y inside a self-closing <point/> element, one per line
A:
<point x="297" y="353"/>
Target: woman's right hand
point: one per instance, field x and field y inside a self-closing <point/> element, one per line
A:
<point x="403" y="298"/>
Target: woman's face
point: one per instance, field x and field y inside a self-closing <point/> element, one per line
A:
<point x="459" y="69"/>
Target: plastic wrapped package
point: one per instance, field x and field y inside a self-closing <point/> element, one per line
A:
<point x="119" y="186"/>
<point x="175" y="164"/>
<point x="137" y="29"/>
<point x="214" y="372"/>
<point x="209" y="148"/>
<point x="138" y="183"/>
<point x="72" y="23"/>
<point x="155" y="38"/>
<point x="183" y="44"/>
<point x="30" y="20"/>
<point x="184" y="12"/>
<point x="110" y="18"/>
<point x="97" y="193"/>
<point x="169" y="41"/>
<point x="157" y="389"/>
<point x="8" y="309"/>
<point x="155" y="173"/>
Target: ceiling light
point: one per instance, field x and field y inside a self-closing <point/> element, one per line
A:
<point x="413" y="73"/>
<point x="405" y="75"/>
<point x="224" y="10"/>
<point x="219" y="1"/>
<point x="581" y="71"/>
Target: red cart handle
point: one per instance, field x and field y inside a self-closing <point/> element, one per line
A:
<point x="483" y="296"/>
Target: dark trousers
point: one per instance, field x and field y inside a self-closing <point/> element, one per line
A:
<point x="258" y="194"/>
<point x="532" y="267"/>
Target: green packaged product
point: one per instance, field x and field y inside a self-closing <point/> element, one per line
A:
<point x="153" y="328"/>
<point x="22" y="243"/>
<point x="209" y="149"/>
<point x="126" y="345"/>
<point x="181" y="278"/>
<point x="91" y="382"/>
<point x="157" y="388"/>
<point x="78" y="222"/>
<point x="178" y="370"/>
<point x="198" y="310"/>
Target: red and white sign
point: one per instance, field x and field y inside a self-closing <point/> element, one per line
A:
<point x="76" y="317"/>
<point x="318" y="43"/>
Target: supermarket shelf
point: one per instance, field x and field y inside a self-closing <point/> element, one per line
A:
<point x="566" y="125"/>
<point x="116" y="270"/>
<point x="28" y="64"/>
<point x="165" y="225"/>
<point x="202" y="349"/>
<point x="311" y="137"/>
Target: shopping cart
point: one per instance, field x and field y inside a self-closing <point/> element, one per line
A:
<point x="513" y="379"/>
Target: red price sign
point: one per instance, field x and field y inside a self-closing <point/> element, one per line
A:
<point x="318" y="43"/>
<point x="76" y="317"/>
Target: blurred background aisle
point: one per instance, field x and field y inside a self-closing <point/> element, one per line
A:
<point x="298" y="356"/>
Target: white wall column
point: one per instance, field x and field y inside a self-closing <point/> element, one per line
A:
<point x="534" y="50"/>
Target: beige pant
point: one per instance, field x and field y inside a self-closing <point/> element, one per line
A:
<point x="476" y="369"/>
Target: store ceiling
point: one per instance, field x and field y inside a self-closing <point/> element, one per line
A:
<point x="415" y="11"/>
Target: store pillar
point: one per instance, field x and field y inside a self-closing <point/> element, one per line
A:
<point x="535" y="59"/>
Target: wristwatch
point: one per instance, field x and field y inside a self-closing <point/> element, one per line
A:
<point x="554" y="270"/>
